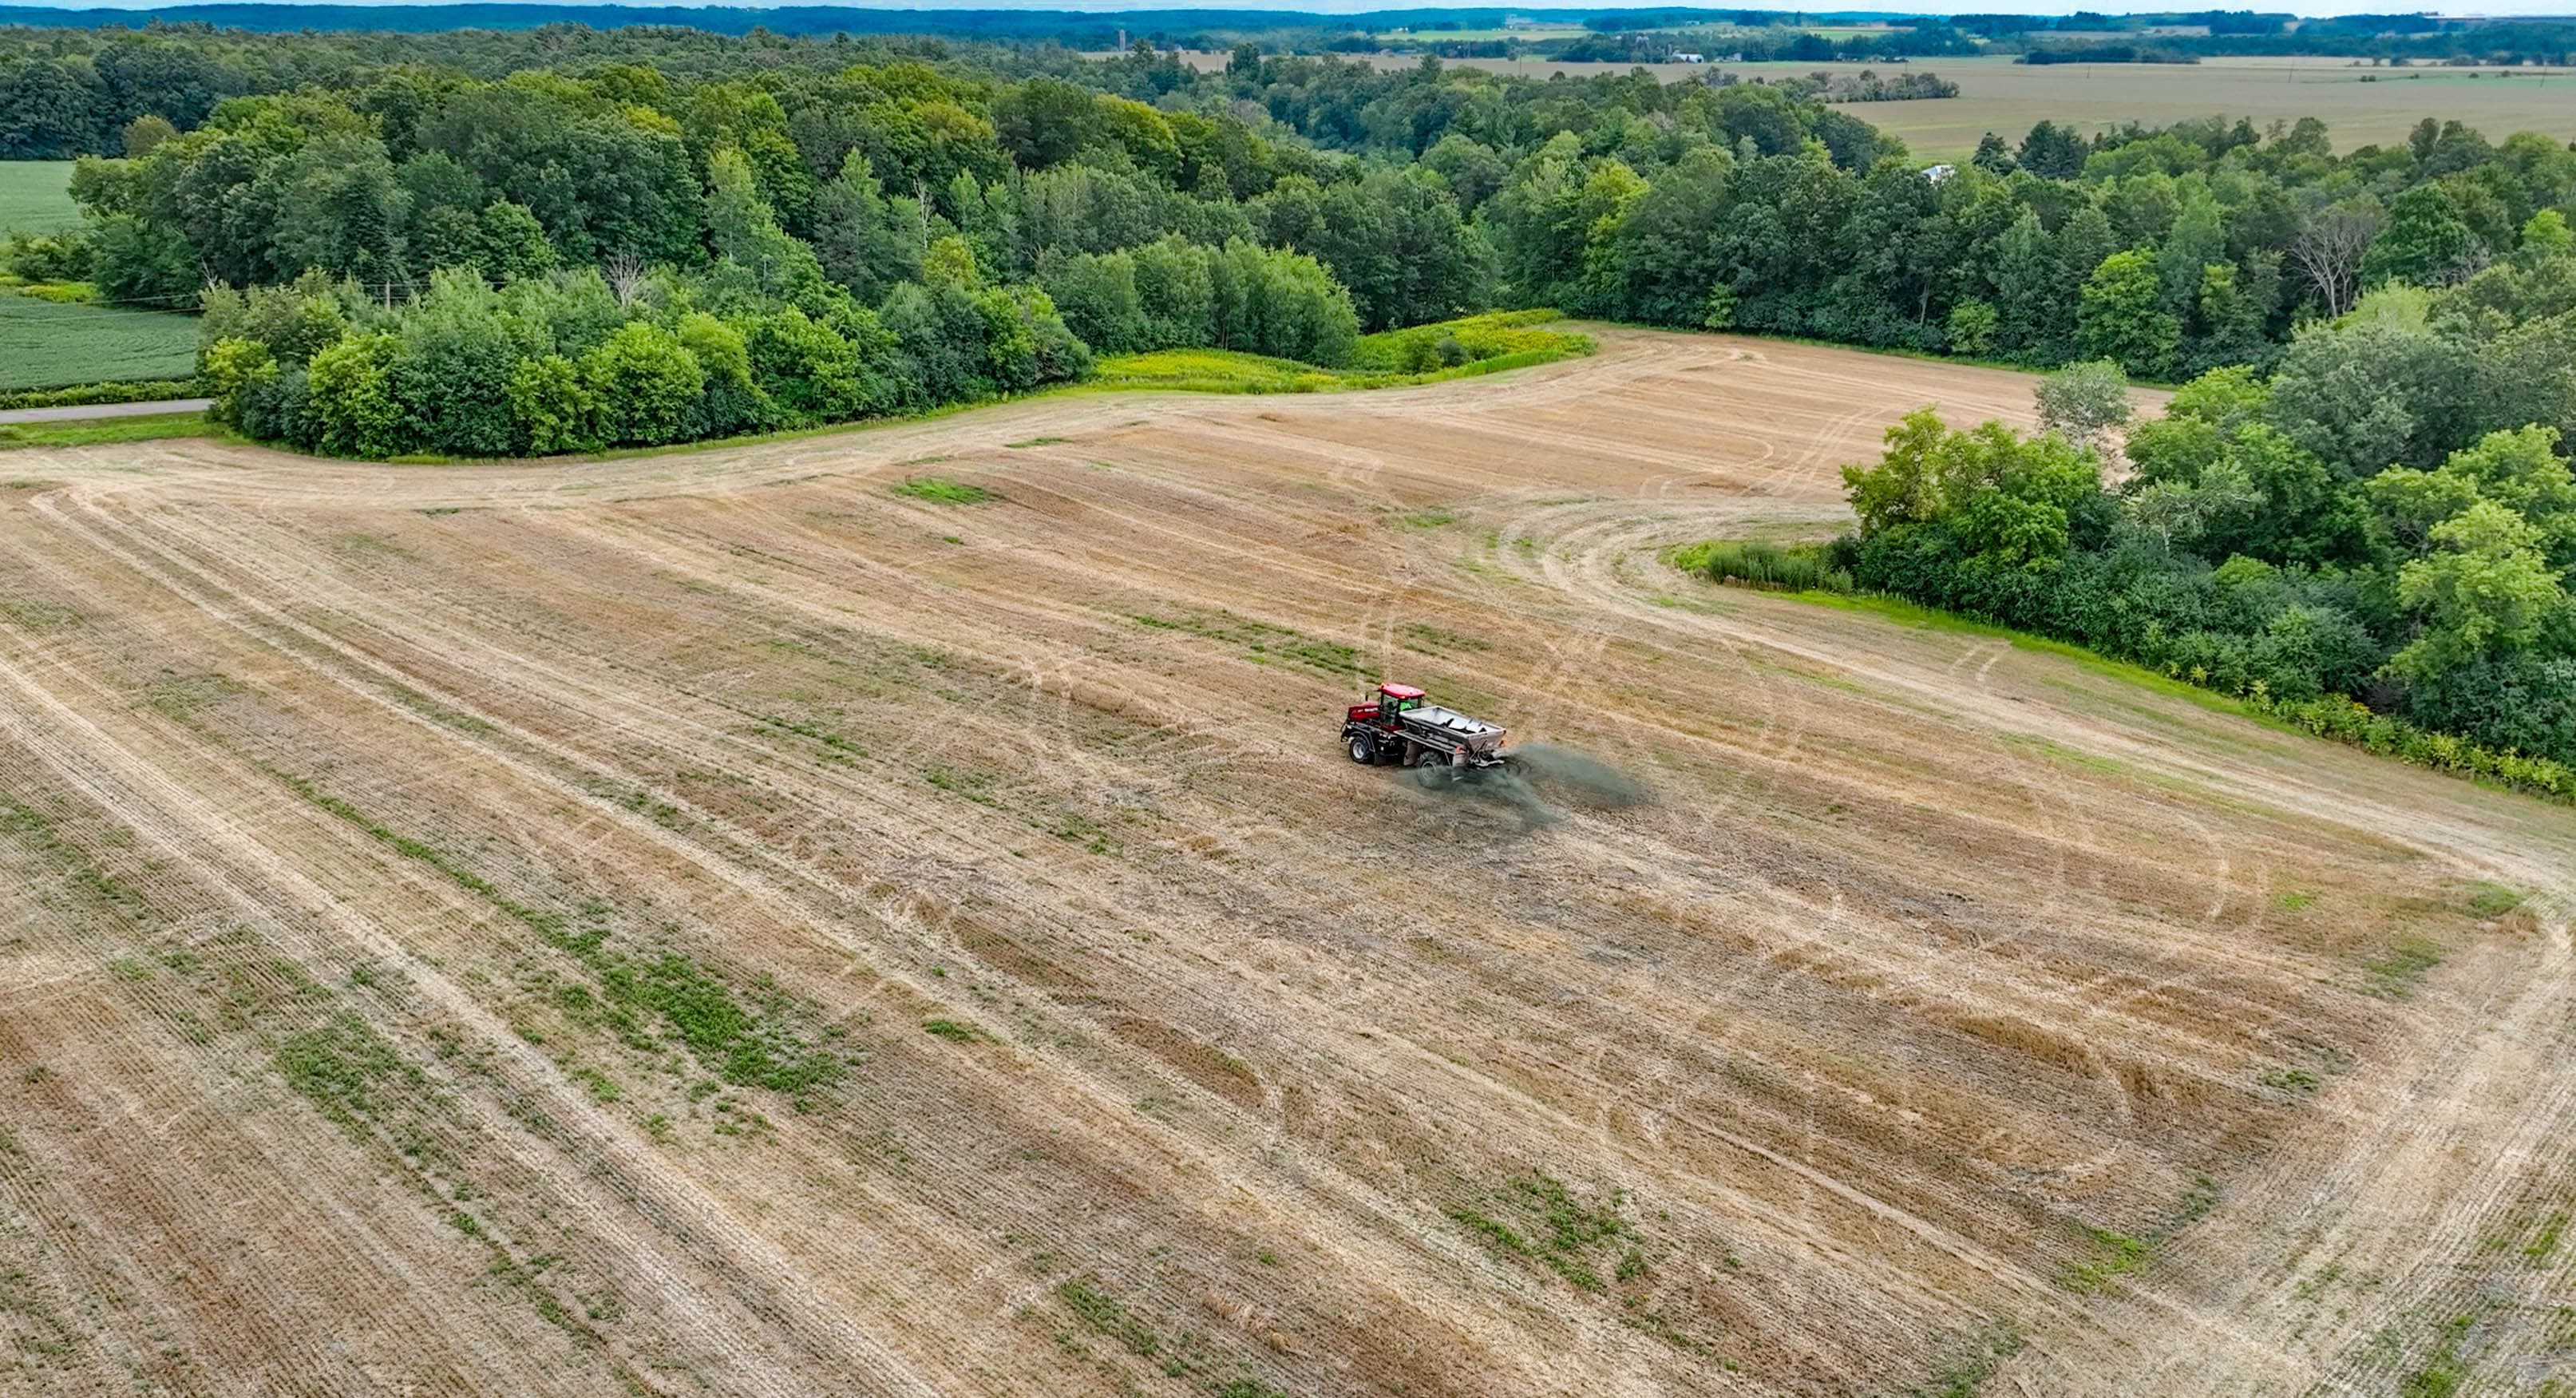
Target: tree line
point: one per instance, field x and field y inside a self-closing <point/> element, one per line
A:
<point x="1426" y="191"/>
<point x="2388" y="515"/>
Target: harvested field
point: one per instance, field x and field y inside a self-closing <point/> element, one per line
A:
<point x="2360" y="105"/>
<point x="716" y="923"/>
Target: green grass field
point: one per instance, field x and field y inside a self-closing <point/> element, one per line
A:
<point x="35" y="196"/>
<point x="104" y="431"/>
<point x="45" y="345"/>
<point x="1491" y="342"/>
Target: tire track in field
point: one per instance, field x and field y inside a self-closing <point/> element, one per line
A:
<point x="606" y="714"/>
<point x="319" y="586"/>
<point x="226" y="858"/>
<point x="2369" y="1182"/>
<point x="1593" y="987"/>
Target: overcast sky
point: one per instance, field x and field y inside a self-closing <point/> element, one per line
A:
<point x="2009" y="7"/>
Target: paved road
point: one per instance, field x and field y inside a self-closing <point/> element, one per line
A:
<point x="89" y="410"/>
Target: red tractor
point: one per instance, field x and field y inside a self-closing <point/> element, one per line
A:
<point x="1401" y="729"/>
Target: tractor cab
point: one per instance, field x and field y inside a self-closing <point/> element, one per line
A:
<point x="1392" y="701"/>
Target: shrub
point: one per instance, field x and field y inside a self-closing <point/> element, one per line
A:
<point x="643" y="385"/>
<point x="1173" y="294"/>
<point x="232" y="366"/>
<point x="453" y="369"/>
<point x="811" y="373"/>
<point x="550" y="410"/>
<point x="731" y="403"/>
<point x="351" y="403"/>
<point x="61" y="293"/>
<point x="292" y="320"/>
<point x="1480" y="338"/>
<point x="2344" y="720"/>
<point x="40" y="257"/>
<point x="124" y="391"/>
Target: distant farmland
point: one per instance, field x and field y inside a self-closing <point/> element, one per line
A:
<point x="35" y="196"/>
<point x="46" y="345"/>
<point x="2362" y="106"/>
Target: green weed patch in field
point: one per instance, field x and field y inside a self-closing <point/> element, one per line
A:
<point x="1967" y="1377"/>
<point x="1103" y="1313"/>
<point x="746" y="1044"/>
<point x="2494" y="900"/>
<point x="1772" y="567"/>
<point x="346" y="1068"/>
<point x="2393" y="975"/>
<point x="1576" y="1240"/>
<point x="2444" y="1372"/>
<point x="1263" y="642"/>
<point x="2112" y="1255"/>
<point x="942" y="490"/>
<point x="1432" y="640"/>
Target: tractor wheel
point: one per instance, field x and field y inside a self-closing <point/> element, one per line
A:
<point x="1363" y="751"/>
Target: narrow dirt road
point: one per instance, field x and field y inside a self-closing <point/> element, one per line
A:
<point x="726" y="923"/>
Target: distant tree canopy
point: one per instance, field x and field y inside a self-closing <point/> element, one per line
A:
<point x="1154" y="204"/>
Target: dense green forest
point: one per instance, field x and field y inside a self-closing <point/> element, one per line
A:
<point x="2390" y="515"/>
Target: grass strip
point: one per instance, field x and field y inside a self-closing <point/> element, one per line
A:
<point x="2334" y="716"/>
<point x="103" y="431"/>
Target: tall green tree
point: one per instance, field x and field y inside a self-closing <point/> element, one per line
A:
<point x="2425" y="242"/>
<point x="2121" y="316"/>
<point x="2483" y="591"/>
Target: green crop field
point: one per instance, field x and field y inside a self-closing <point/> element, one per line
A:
<point x="46" y="345"/>
<point x="35" y="196"/>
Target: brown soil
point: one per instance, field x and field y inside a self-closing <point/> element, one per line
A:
<point x="425" y="894"/>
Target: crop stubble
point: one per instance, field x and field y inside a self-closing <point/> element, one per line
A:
<point x="401" y="863"/>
